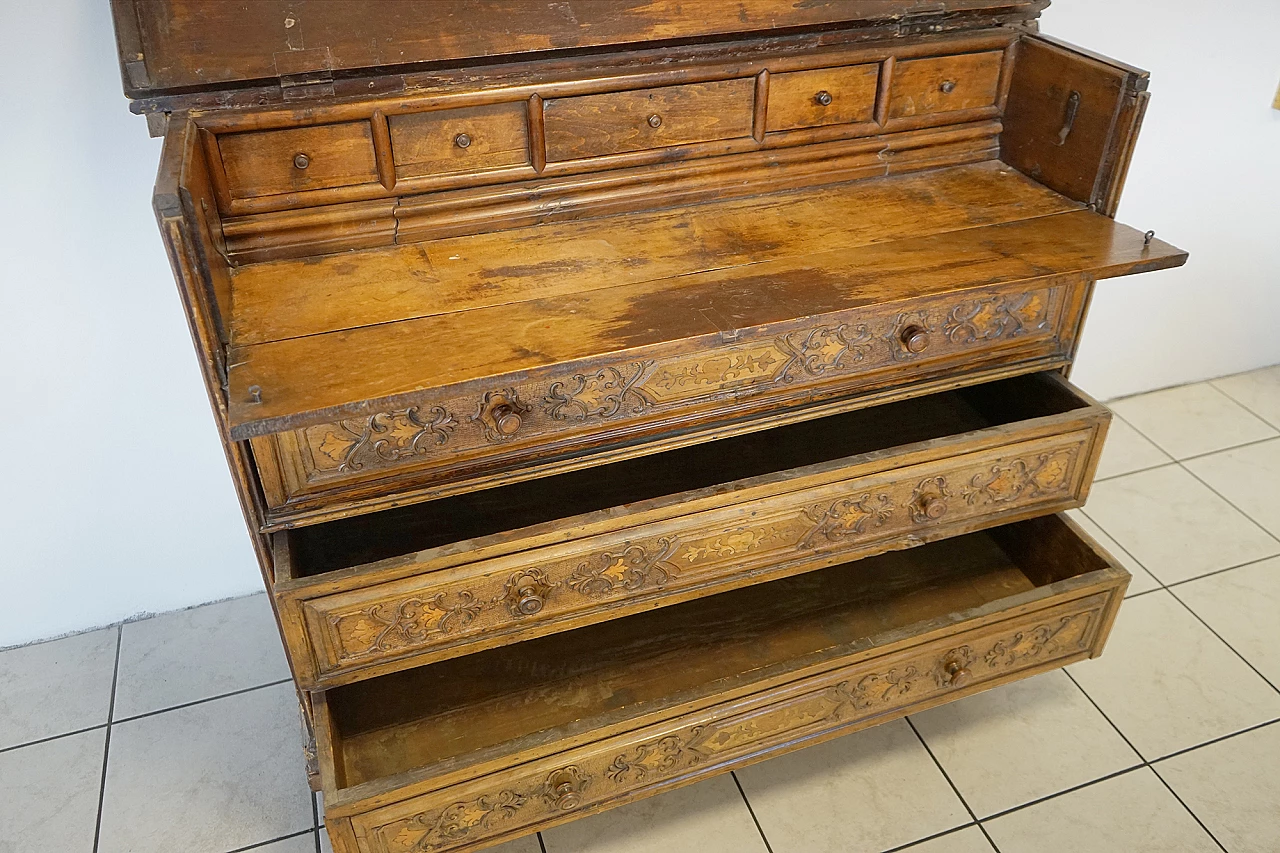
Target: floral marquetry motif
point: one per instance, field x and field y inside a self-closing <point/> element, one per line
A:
<point x="602" y="394"/>
<point x="824" y="350"/>
<point x="995" y="317"/>
<point x="427" y="832"/>
<point x="630" y="569"/>
<point x="1010" y="481"/>
<point x="849" y="517"/>
<point x="383" y="437"/>
<point x="381" y="628"/>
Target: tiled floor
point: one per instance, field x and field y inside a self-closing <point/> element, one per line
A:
<point x="114" y="741"/>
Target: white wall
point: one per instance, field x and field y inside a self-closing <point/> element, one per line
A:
<point x="1205" y="176"/>
<point x="114" y="496"/>
<point x="115" y="499"/>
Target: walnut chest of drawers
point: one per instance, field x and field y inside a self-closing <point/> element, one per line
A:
<point x="617" y="395"/>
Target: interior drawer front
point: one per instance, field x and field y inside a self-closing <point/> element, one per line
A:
<point x="464" y="140"/>
<point x="588" y="403"/>
<point x="613" y="123"/>
<point x="944" y="84"/>
<point x="929" y="664"/>
<point x="270" y="162"/>
<point x="826" y="96"/>
<point x="435" y="604"/>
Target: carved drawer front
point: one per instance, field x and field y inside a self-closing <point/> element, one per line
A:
<point x="613" y="123"/>
<point x="426" y="606"/>
<point x="270" y="162"/>
<point x="453" y="437"/>
<point x="944" y="84"/>
<point x="464" y="140"/>
<point x="969" y="657"/>
<point x="826" y="96"/>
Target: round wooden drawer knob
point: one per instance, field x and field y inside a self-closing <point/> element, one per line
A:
<point x="933" y="507"/>
<point x="301" y="161"/>
<point x="823" y="98"/>
<point x="507" y="420"/>
<point x="530" y="602"/>
<point x="948" y="86"/>
<point x="958" y="675"/>
<point x="915" y="339"/>
<point x="655" y="120"/>
<point x="566" y="797"/>
<point x="462" y="140"/>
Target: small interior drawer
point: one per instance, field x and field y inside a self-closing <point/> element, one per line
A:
<point x="463" y="140"/>
<point x="826" y="96"/>
<point x="944" y="84"/>
<point x="270" y="162"/>
<point x="616" y="122"/>
<point x="404" y="587"/>
<point x="466" y="752"/>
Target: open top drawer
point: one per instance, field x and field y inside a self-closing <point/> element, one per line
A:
<point x="404" y="587"/>
<point x="463" y="753"/>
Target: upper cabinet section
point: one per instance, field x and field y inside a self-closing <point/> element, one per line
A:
<point x="171" y="46"/>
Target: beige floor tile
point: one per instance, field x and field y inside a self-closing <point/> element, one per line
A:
<point x="326" y="846"/>
<point x="1233" y="786"/>
<point x="868" y="791"/>
<point x="969" y="840"/>
<point x="1243" y="606"/>
<point x="1192" y="419"/>
<point x="1022" y="741"/>
<point x="229" y="772"/>
<point x="1249" y="477"/>
<point x="1175" y="525"/>
<point x="1126" y="450"/>
<point x="1133" y="813"/>
<point x="49" y="794"/>
<point x="52" y="688"/>
<point x="707" y="817"/>
<point x="189" y="655"/>
<point x="305" y="843"/>
<point x="1168" y="683"/>
<point x="1257" y="390"/>
<point x="1142" y="579"/>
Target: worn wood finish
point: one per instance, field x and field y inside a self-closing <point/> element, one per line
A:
<point x="775" y="301"/>
<point x="822" y="97"/>
<point x="472" y="139"/>
<point x="166" y="45"/>
<point x="922" y="87"/>
<point x="779" y="665"/>
<point x="444" y="597"/>
<point x="596" y="125"/>
<point x="288" y="161"/>
<point x="1072" y="120"/>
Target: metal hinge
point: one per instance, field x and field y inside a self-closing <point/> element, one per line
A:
<point x="309" y="84"/>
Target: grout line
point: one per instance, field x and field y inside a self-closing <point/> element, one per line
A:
<point x="1171" y="586"/>
<point x="1195" y="456"/>
<point x="542" y="845"/>
<point x="1218" y="739"/>
<point x="1136" y="470"/>
<point x="933" y="837"/>
<point x="1147" y="764"/>
<point x="1195" y="816"/>
<point x="315" y="817"/>
<point x="52" y="737"/>
<point x="947" y="776"/>
<point x="1228" y="395"/>
<point x="106" y="745"/>
<point x="1223" y="640"/>
<point x="202" y="701"/>
<point x="1141" y="564"/>
<point x="752" y="812"/>
<point x="1038" y="800"/>
<point x="1231" y="504"/>
<point x="258" y="845"/>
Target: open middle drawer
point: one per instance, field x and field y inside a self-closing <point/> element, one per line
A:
<point x="405" y="587"/>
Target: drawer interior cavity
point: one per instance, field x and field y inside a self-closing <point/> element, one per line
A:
<point x="511" y="700"/>
<point x="672" y="476"/>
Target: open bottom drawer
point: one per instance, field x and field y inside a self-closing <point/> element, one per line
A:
<point x="467" y="752"/>
<point x="409" y="586"/>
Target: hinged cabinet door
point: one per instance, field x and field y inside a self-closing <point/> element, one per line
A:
<point x="1072" y="120"/>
